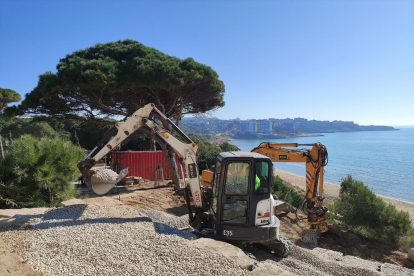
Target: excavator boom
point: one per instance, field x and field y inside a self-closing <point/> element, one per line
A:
<point x="315" y="159"/>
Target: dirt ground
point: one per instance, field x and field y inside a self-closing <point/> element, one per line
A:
<point x="11" y="264"/>
<point x="162" y="199"/>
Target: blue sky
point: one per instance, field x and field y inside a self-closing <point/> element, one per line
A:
<point x="323" y="60"/>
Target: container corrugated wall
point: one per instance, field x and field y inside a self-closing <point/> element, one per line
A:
<point x="141" y="163"/>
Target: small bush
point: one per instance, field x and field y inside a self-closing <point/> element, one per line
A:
<point x="226" y="146"/>
<point x="287" y="194"/>
<point x="38" y="172"/>
<point x="359" y="208"/>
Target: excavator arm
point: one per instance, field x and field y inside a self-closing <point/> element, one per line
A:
<point x="112" y="139"/>
<point x="122" y="130"/>
<point x="315" y="159"/>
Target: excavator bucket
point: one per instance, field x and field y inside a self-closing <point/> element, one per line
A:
<point x="310" y="237"/>
<point x="103" y="180"/>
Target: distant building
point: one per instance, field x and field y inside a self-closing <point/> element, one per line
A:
<point x="264" y="126"/>
<point x="248" y="126"/>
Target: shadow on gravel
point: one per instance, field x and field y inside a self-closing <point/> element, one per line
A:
<point x="75" y="212"/>
<point x="61" y="217"/>
<point x="66" y="223"/>
<point x="17" y="222"/>
<point x="178" y="211"/>
<point x="161" y="228"/>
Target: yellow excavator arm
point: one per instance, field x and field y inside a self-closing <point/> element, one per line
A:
<point x="315" y="159"/>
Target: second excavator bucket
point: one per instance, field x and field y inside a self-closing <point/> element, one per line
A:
<point x="310" y="237"/>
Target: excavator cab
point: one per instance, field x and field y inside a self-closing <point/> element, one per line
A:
<point x="241" y="203"/>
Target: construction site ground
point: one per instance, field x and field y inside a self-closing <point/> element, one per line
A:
<point x="164" y="198"/>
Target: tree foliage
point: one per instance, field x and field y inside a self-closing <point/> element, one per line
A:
<point x="207" y="152"/>
<point x="119" y="77"/>
<point x="15" y="128"/>
<point x="38" y="172"/>
<point x="359" y="208"/>
<point x="8" y="96"/>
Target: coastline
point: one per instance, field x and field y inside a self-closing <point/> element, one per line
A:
<point x="331" y="191"/>
<point x="275" y="136"/>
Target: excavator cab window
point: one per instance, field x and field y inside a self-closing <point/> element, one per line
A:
<point x="262" y="178"/>
<point x="236" y="193"/>
<point x="237" y="179"/>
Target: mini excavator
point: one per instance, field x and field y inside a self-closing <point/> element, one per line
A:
<point x="316" y="159"/>
<point x="238" y="207"/>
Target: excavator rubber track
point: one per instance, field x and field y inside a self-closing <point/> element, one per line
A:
<point x="280" y="247"/>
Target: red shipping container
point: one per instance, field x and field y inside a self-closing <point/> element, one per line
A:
<point x="142" y="163"/>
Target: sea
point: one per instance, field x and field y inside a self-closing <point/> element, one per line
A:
<point x="383" y="160"/>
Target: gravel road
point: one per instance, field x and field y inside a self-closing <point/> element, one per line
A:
<point x="118" y="240"/>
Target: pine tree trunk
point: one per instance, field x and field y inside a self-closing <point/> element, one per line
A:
<point x="152" y="140"/>
<point x="1" y="149"/>
<point x="169" y="154"/>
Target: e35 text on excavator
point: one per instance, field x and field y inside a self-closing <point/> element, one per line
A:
<point x="316" y="159"/>
<point x="238" y="208"/>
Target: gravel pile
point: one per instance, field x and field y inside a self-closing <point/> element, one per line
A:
<point x="105" y="174"/>
<point x="85" y="240"/>
<point x="170" y="220"/>
<point x="319" y="261"/>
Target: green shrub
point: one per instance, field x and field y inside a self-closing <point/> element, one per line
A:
<point x="226" y="146"/>
<point x="38" y="172"/>
<point x="207" y="152"/>
<point x="359" y="208"/>
<point x="14" y="129"/>
<point x="407" y="241"/>
<point x="287" y="194"/>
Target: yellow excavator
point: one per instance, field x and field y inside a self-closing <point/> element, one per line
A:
<point x="315" y="159"/>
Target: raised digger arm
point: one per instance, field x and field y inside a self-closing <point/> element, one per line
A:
<point x="186" y="150"/>
<point x="113" y="138"/>
<point x="315" y="159"/>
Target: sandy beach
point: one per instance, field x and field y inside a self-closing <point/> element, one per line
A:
<point x="331" y="191"/>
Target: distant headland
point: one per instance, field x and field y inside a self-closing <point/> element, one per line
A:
<point x="271" y="128"/>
